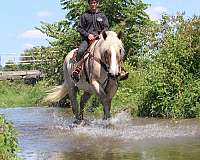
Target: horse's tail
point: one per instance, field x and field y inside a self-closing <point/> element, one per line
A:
<point x="56" y="94"/>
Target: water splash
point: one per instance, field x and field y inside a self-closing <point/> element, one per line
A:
<point x="122" y="127"/>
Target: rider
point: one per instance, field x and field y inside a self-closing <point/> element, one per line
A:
<point x="91" y="24"/>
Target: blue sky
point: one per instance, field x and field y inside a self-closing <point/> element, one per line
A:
<point x="19" y="17"/>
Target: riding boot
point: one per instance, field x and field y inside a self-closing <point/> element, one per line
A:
<point x="76" y="72"/>
<point x="124" y="74"/>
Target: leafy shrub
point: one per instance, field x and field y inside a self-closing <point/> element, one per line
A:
<point x="173" y="76"/>
<point x="130" y="91"/>
<point x="8" y="141"/>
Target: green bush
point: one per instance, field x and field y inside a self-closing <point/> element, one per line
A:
<point x="130" y="91"/>
<point x="8" y="141"/>
<point x="173" y="76"/>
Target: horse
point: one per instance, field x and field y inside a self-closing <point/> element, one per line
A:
<point x="101" y="70"/>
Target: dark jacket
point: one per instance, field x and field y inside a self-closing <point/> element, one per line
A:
<point x="92" y="23"/>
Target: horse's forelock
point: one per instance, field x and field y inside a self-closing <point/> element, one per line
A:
<point x="112" y="40"/>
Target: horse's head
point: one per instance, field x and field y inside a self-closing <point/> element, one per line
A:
<point x="113" y="52"/>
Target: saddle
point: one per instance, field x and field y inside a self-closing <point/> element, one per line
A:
<point x="78" y="66"/>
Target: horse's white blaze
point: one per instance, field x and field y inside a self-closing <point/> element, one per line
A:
<point x="114" y="69"/>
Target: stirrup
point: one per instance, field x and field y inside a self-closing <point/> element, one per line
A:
<point x="123" y="76"/>
<point x="75" y="74"/>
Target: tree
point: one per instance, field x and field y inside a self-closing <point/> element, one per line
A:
<point x="129" y="16"/>
<point x="65" y="39"/>
<point x="10" y="66"/>
<point x="172" y="77"/>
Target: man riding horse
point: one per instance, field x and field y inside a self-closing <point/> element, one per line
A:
<point x="91" y="24"/>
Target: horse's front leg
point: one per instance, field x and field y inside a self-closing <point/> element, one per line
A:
<point x="110" y="91"/>
<point x="73" y="95"/>
<point x="84" y="98"/>
<point x="103" y="98"/>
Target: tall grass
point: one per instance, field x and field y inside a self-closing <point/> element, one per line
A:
<point x="18" y="94"/>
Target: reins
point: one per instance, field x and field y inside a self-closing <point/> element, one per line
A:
<point x="104" y="65"/>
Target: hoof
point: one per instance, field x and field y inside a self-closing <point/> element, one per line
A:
<point x="106" y="117"/>
<point x="84" y="123"/>
<point x="77" y="121"/>
<point x="73" y="125"/>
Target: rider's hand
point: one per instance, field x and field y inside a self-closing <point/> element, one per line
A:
<point x="91" y="37"/>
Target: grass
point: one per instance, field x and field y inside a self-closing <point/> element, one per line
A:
<point x="17" y="94"/>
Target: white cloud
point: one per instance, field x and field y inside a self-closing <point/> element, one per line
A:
<point x="33" y="34"/>
<point x="155" y="12"/>
<point x="44" y="14"/>
<point x="27" y="46"/>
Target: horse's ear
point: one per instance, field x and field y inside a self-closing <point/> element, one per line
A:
<point x="119" y="35"/>
<point x="104" y="35"/>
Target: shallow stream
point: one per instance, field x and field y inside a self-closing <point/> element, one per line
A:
<point x="44" y="134"/>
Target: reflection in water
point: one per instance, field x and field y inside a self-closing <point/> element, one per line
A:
<point x="44" y="135"/>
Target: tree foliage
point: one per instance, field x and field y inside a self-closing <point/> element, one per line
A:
<point x="127" y="16"/>
<point x="173" y="83"/>
<point x="10" y="66"/>
<point x="165" y="52"/>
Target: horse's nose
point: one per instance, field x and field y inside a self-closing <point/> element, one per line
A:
<point x="114" y="70"/>
<point x="113" y="76"/>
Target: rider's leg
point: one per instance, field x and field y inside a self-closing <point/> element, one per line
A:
<point x="81" y="50"/>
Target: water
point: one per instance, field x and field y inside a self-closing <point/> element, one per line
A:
<point x="44" y="134"/>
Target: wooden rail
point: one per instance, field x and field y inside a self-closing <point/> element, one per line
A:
<point x="15" y="75"/>
<point x="28" y="75"/>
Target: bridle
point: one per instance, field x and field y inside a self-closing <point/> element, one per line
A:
<point x="105" y="65"/>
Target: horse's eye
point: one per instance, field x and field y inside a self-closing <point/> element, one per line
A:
<point x="106" y="55"/>
<point x="121" y="52"/>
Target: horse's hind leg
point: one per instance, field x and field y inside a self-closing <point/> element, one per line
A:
<point x="103" y="98"/>
<point x="84" y="98"/>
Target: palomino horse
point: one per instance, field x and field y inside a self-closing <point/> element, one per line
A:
<point x="100" y="75"/>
